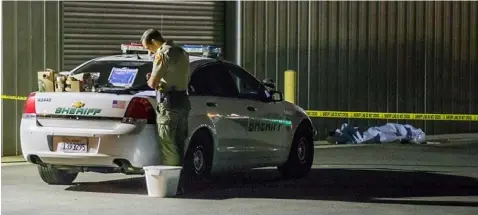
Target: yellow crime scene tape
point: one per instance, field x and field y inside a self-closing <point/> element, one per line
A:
<point x="403" y="116"/>
<point x="14" y="97"/>
<point x="362" y="115"/>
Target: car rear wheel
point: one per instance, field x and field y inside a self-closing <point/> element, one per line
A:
<point x="55" y="176"/>
<point x="197" y="162"/>
<point x="301" y="155"/>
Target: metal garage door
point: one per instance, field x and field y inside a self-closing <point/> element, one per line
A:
<point x="92" y="29"/>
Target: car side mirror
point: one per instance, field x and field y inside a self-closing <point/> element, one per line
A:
<point x="269" y="83"/>
<point x="276" y="96"/>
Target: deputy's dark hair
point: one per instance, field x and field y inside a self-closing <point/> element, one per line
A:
<point x="150" y="35"/>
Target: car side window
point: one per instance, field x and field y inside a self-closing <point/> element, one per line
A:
<point x="247" y="85"/>
<point x="212" y="80"/>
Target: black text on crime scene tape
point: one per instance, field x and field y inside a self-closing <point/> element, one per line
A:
<point x="335" y="114"/>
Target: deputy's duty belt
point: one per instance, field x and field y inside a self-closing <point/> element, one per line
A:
<point x="161" y="95"/>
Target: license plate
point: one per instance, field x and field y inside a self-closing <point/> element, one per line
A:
<point x="72" y="144"/>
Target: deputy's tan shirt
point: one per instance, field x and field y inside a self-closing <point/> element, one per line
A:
<point x="171" y="64"/>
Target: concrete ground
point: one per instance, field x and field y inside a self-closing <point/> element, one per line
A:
<point x="374" y="179"/>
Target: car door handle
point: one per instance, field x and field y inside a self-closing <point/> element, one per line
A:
<point x="249" y="108"/>
<point x="211" y="104"/>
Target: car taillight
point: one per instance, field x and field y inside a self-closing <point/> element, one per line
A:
<point x="139" y="110"/>
<point x="29" y="105"/>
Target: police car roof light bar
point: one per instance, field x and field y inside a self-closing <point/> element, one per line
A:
<point x="193" y="50"/>
<point x="133" y="48"/>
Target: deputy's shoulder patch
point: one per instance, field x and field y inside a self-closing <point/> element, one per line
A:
<point x="157" y="58"/>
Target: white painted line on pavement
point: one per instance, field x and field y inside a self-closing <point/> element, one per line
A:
<point x="341" y="145"/>
<point x="16" y="163"/>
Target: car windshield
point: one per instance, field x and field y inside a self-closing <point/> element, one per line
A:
<point x="104" y="69"/>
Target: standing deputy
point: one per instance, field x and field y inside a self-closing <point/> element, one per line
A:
<point x="170" y="77"/>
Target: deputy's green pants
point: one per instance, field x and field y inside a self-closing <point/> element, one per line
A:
<point x="172" y="121"/>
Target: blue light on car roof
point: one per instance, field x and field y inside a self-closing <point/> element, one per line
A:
<point x="203" y="50"/>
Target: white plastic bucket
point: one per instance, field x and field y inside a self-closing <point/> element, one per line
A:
<point x="162" y="181"/>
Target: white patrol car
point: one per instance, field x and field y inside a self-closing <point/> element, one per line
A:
<point x="236" y="123"/>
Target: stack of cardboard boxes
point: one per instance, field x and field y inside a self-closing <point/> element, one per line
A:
<point x="51" y="81"/>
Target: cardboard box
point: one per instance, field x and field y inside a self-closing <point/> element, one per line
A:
<point x="76" y="86"/>
<point x="60" y="83"/>
<point x="46" y="81"/>
<point x="73" y="85"/>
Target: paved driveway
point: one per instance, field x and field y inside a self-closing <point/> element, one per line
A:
<point x="376" y="179"/>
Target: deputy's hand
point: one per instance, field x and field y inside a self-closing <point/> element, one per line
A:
<point x="153" y="82"/>
<point x="149" y="81"/>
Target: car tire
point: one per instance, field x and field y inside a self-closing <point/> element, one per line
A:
<point x="197" y="161"/>
<point x="55" y="176"/>
<point x="301" y="155"/>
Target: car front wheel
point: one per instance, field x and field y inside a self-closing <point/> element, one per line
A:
<point x="301" y="155"/>
<point x="55" y="176"/>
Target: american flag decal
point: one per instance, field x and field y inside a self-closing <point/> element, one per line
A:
<point x="118" y="104"/>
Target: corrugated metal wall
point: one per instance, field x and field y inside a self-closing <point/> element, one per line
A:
<point x="33" y="39"/>
<point x="93" y="29"/>
<point x="357" y="56"/>
<point x="30" y="43"/>
<point x="369" y="56"/>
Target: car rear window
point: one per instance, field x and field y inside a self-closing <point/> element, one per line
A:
<point x="104" y="69"/>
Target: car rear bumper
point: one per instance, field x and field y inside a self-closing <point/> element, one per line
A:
<point x="71" y="159"/>
<point x="137" y="148"/>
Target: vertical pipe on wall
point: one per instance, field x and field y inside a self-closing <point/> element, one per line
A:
<point x="298" y="32"/>
<point x="30" y="41"/>
<point x="309" y="53"/>
<point x="276" y="50"/>
<point x="238" y="31"/>
<point x="60" y="36"/>
<point x="44" y="34"/>
<point x="15" y="42"/>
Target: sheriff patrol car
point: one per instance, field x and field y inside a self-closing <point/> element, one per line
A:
<point x="236" y="121"/>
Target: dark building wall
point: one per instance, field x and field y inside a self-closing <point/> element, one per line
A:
<point x="30" y="43"/>
<point x="418" y="57"/>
